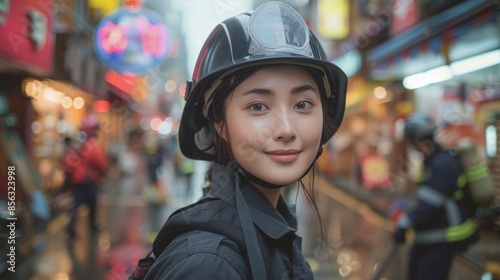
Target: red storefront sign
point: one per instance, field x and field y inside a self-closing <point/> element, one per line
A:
<point x="404" y="15"/>
<point x="26" y="29"/>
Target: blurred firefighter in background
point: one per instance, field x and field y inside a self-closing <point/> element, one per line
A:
<point x="443" y="215"/>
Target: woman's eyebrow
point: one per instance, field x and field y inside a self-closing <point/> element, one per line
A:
<point x="295" y="90"/>
<point x="259" y="91"/>
<point x="302" y="88"/>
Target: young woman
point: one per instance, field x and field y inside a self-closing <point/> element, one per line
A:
<point x="263" y="100"/>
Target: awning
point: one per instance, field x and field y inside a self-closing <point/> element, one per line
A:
<point x="430" y="40"/>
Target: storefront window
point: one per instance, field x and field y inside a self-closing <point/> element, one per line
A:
<point x="491" y="141"/>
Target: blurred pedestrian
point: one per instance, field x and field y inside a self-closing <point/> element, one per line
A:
<point x="155" y="189"/>
<point x="154" y="154"/>
<point x="263" y="101"/>
<point x="130" y="159"/>
<point x="185" y="171"/>
<point x="443" y="215"/>
<point x="87" y="165"/>
<point x="70" y="155"/>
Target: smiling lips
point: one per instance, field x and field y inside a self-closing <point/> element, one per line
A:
<point x="283" y="156"/>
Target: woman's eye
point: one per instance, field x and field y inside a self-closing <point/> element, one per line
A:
<point x="258" y="107"/>
<point x="304" y="105"/>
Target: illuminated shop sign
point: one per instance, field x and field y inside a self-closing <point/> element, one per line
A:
<point x="26" y="32"/>
<point x="491" y="141"/>
<point x="333" y="18"/>
<point x="132" y="41"/>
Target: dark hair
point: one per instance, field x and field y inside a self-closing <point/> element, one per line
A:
<point x="217" y="114"/>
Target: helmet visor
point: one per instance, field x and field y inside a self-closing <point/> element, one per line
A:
<point x="276" y="27"/>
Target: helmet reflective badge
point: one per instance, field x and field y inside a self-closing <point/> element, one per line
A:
<point x="272" y="34"/>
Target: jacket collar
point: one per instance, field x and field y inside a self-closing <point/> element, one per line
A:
<point x="273" y="222"/>
<point x="437" y="149"/>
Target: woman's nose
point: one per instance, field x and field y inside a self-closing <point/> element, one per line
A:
<point x="284" y="126"/>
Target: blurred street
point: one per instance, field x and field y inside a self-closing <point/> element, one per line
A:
<point x="357" y="236"/>
<point x="128" y="66"/>
<point x="129" y="225"/>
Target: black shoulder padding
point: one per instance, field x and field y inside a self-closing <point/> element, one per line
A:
<point x="209" y="214"/>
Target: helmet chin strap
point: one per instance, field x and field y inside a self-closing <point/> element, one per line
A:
<point x="254" y="179"/>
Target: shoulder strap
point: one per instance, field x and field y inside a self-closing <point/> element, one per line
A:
<point x="255" y="257"/>
<point x="142" y="268"/>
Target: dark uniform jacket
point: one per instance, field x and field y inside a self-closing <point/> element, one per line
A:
<point x="187" y="252"/>
<point x="443" y="213"/>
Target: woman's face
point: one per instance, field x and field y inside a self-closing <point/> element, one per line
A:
<point x="274" y="121"/>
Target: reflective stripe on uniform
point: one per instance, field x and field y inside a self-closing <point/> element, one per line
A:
<point x="462" y="181"/>
<point x="476" y="172"/>
<point x="430" y="236"/>
<point x="438" y="200"/>
<point x="431" y="196"/>
<point x="450" y="234"/>
<point x="461" y="232"/>
<point x="453" y="212"/>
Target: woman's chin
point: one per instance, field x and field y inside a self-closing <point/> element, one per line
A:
<point x="283" y="182"/>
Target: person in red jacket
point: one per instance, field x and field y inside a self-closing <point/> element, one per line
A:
<point x="86" y="167"/>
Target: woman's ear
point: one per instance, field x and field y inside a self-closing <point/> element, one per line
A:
<point x="220" y="129"/>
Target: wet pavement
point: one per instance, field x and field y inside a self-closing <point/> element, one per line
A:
<point x="356" y="236"/>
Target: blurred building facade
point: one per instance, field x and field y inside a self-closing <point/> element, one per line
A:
<point x="51" y="78"/>
<point x="437" y="57"/>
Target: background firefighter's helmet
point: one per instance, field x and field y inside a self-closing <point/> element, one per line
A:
<point x="419" y="126"/>
<point x="272" y="34"/>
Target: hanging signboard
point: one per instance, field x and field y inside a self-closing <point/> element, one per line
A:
<point x="132" y="41"/>
<point x="405" y="14"/>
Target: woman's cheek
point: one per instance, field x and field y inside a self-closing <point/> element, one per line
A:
<point x="244" y="151"/>
<point x="257" y="131"/>
<point x="312" y="128"/>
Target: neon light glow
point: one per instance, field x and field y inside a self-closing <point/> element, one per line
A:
<point x="132" y="41"/>
<point x="152" y="40"/>
<point x="101" y="106"/>
<point x="113" y="39"/>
